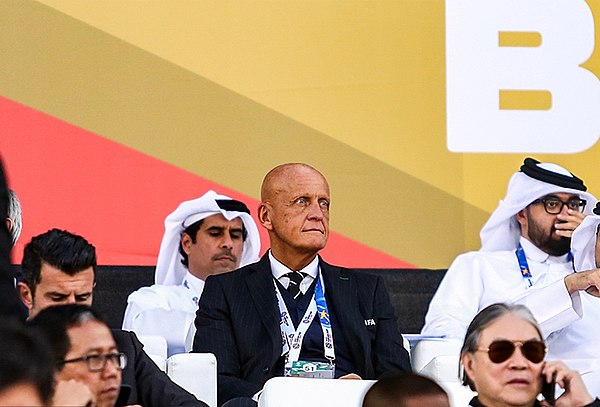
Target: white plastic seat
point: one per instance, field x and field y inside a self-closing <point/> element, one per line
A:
<point x="437" y="358"/>
<point x="197" y="373"/>
<point x="156" y="347"/>
<point x="302" y="392"/>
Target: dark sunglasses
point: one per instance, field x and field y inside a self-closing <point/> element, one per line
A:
<point x="500" y="351"/>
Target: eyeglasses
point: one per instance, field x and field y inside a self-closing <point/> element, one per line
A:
<point x="97" y="363"/>
<point x="554" y="205"/>
<point x="500" y="351"/>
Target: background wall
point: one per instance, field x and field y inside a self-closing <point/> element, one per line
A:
<point x="113" y="112"/>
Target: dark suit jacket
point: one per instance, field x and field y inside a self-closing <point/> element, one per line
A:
<point x="150" y="386"/>
<point x="238" y="321"/>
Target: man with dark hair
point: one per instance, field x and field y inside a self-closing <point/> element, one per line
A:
<point x="525" y="258"/>
<point x="59" y="268"/>
<point x="406" y="390"/>
<point x="26" y="366"/>
<point x="291" y="309"/>
<point x="209" y="235"/>
<point x="84" y="351"/>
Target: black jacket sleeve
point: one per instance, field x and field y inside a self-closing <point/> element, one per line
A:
<point x="150" y="386"/>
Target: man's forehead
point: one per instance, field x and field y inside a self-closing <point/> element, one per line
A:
<point x="219" y="221"/>
<point x="560" y="195"/>
<point x="51" y="275"/>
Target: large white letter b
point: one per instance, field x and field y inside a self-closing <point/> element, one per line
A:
<point x="514" y="84"/>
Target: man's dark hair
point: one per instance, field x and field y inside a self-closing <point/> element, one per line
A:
<point x="393" y="390"/>
<point x="63" y="250"/>
<point x="25" y="359"/>
<point x="192" y="232"/>
<point x="54" y="322"/>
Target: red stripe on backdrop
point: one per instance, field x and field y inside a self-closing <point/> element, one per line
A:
<point x="116" y="197"/>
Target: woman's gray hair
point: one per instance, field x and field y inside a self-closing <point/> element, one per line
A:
<point x="485" y="318"/>
<point x="15" y="215"/>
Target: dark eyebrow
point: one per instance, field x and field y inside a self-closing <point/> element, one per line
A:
<point x="56" y="294"/>
<point x="215" y="229"/>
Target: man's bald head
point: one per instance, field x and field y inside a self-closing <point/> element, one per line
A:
<point x="281" y="176"/>
<point x="295" y="211"/>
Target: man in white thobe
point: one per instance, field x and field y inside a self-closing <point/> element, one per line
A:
<point x="525" y="258"/>
<point x="209" y="235"/>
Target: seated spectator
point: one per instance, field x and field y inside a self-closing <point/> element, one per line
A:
<point x="525" y="258"/>
<point x="84" y="351"/>
<point x="210" y="235"/>
<point x="503" y="359"/>
<point x="406" y="390"/>
<point x="26" y="369"/>
<point x="59" y="268"/>
<point x="269" y="318"/>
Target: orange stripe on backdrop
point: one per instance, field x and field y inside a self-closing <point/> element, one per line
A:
<point x="116" y="197"/>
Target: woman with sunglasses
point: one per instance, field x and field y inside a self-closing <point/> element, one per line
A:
<point x="85" y="353"/>
<point x="503" y="361"/>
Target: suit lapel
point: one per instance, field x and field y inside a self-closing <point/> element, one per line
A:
<point x="259" y="281"/>
<point x="341" y="295"/>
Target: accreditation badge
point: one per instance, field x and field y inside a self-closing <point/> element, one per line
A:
<point x="315" y="370"/>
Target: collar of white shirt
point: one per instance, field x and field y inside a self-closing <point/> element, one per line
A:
<point x="193" y="284"/>
<point x="534" y="253"/>
<point x="279" y="271"/>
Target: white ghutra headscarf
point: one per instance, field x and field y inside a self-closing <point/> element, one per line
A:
<point x="583" y="242"/>
<point x="169" y="269"/>
<point x="535" y="180"/>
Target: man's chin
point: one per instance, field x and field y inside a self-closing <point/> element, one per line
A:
<point x="558" y="247"/>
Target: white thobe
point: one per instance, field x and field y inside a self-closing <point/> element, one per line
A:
<point x="570" y="323"/>
<point x="166" y="310"/>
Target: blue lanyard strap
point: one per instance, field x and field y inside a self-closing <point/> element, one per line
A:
<point x="524" y="266"/>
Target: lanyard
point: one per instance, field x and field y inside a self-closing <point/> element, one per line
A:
<point x="524" y="266"/>
<point x="291" y="339"/>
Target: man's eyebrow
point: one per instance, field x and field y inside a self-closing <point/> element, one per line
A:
<point x="215" y="228"/>
<point x="56" y="294"/>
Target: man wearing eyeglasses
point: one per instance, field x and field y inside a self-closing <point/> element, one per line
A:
<point x="84" y="352"/>
<point x="59" y="268"/>
<point x="525" y="258"/>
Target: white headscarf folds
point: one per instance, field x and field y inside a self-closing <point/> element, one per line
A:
<point x="169" y="269"/>
<point x="535" y="180"/>
<point x="583" y="242"/>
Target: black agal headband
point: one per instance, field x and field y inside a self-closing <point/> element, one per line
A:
<point x="531" y="168"/>
<point x="232" y="205"/>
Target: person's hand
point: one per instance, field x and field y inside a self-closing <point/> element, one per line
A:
<point x="72" y="393"/>
<point x="568" y="223"/>
<point x="576" y="394"/>
<point x="588" y="280"/>
<point x="351" y="376"/>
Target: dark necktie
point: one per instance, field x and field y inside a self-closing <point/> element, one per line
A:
<point x="296" y="278"/>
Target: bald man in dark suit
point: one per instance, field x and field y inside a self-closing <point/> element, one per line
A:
<point x="244" y="316"/>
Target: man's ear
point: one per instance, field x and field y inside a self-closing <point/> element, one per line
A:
<point x="522" y="217"/>
<point x="186" y="242"/>
<point x="264" y="215"/>
<point x="25" y="294"/>
<point x="9" y="224"/>
<point x="467" y="362"/>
